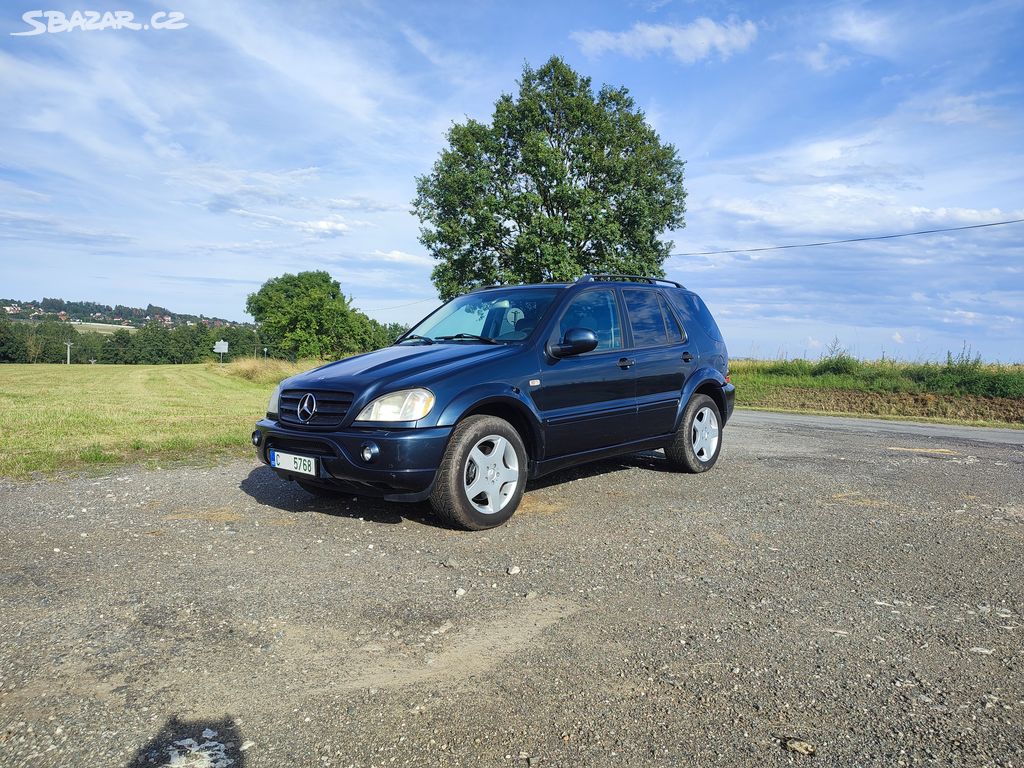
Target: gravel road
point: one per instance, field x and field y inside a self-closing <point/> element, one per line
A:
<point x="854" y="589"/>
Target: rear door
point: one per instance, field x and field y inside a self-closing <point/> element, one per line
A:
<point x="588" y="401"/>
<point x="664" y="358"/>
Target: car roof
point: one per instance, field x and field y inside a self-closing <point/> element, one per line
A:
<point x="634" y="280"/>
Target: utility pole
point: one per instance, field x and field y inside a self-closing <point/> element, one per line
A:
<point x="69" y="345"/>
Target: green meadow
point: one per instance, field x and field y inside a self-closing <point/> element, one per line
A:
<point x="61" y="417"/>
<point x="74" y="417"/>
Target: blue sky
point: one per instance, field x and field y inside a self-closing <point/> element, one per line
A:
<point x="185" y="167"/>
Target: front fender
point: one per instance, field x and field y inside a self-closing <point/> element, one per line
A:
<point x="494" y="395"/>
<point x="701" y="378"/>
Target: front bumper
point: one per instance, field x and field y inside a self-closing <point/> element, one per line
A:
<point x="402" y="470"/>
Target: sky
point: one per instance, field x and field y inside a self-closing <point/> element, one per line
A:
<point x="185" y="166"/>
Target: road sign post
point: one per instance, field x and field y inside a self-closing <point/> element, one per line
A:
<point x="221" y="347"/>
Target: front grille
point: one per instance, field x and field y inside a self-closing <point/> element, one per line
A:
<point x="331" y="407"/>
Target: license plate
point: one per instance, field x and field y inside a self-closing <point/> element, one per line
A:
<point x="304" y="465"/>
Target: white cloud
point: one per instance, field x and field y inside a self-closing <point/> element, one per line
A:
<point x="689" y="43"/>
<point x="897" y="337"/>
<point x="823" y="59"/>
<point x="331" y="226"/>
<point x="335" y="74"/>
<point x="23" y="225"/>
<point x="865" y="32"/>
<point x="953" y="110"/>
<point x="395" y="256"/>
<point x="963" y="316"/>
<point x="363" y="204"/>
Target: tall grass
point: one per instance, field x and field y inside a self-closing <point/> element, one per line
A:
<point x="960" y="374"/>
<point x="259" y="370"/>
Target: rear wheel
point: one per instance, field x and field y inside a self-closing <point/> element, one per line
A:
<point x="698" y="441"/>
<point x="482" y="475"/>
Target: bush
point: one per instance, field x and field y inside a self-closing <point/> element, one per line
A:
<point x="840" y="364"/>
<point x="797" y="367"/>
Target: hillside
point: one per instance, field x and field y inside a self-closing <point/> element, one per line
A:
<point x="120" y="315"/>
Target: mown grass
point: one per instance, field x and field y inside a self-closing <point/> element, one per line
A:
<point x="67" y="417"/>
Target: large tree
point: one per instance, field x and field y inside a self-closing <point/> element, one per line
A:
<point x="562" y="182"/>
<point x="307" y="315"/>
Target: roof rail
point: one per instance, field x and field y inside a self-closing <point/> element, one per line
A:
<point x="634" y="278"/>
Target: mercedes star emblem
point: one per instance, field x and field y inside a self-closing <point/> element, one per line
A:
<point x="307" y="407"/>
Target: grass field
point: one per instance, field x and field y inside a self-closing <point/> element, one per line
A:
<point x="105" y="328"/>
<point x="61" y="417"/>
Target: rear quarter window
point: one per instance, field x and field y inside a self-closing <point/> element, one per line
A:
<point x="694" y="309"/>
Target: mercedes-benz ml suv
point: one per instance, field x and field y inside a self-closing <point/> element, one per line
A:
<point x="503" y="385"/>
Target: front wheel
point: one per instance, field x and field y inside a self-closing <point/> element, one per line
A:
<point x="482" y="475"/>
<point x="698" y="441"/>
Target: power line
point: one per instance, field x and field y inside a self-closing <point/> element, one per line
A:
<point x="850" y="240"/>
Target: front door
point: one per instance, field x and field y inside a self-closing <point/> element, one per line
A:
<point x="588" y="401"/>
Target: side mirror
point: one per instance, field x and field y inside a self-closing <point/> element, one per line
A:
<point x="575" y="342"/>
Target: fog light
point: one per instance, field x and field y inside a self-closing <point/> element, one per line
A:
<point x="257" y="436"/>
<point x="369" y="452"/>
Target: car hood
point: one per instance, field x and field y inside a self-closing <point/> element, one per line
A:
<point x="410" y="365"/>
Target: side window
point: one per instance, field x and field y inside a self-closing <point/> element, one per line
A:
<point x="598" y="311"/>
<point x="675" y="333"/>
<point x="706" y="318"/>
<point x="694" y="311"/>
<point x="645" y="317"/>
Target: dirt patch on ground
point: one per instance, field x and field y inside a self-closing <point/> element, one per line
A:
<point x="962" y="407"/>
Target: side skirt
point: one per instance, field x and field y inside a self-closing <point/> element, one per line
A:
<point x="546" y="467"/>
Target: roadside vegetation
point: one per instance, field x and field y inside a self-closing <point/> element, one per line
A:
<point x="75" y="417"/>
<point x="300" y="316"/>
<point x="962" y="388"/>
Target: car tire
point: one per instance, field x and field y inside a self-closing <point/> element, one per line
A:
<point x="485" y="455"/>
<point x="698" y="441"/>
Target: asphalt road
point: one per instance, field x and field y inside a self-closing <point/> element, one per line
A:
<point x="848" y="587"/>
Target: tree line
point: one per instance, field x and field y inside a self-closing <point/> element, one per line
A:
<point x="299" y="316"/>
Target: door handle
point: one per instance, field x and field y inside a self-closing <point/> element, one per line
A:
<point x="687" y="357"/>
<point x="626" y="362"/>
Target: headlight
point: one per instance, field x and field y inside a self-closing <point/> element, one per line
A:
<point x="272" y="405"/>
<point x="405" y="405"/>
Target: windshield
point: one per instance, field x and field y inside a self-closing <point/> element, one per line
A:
<point x="488" y="316"/>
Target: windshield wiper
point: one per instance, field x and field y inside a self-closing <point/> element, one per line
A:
<point x="416" y="337"/>
<point x="484" y="339"/>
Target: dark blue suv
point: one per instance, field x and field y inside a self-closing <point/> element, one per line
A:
<point x="505" y="384"/>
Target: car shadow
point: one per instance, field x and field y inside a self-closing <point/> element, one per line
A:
<point x="263" y="485"/>
<point x="654" y="461"/>
<point x="193" y="742"/>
